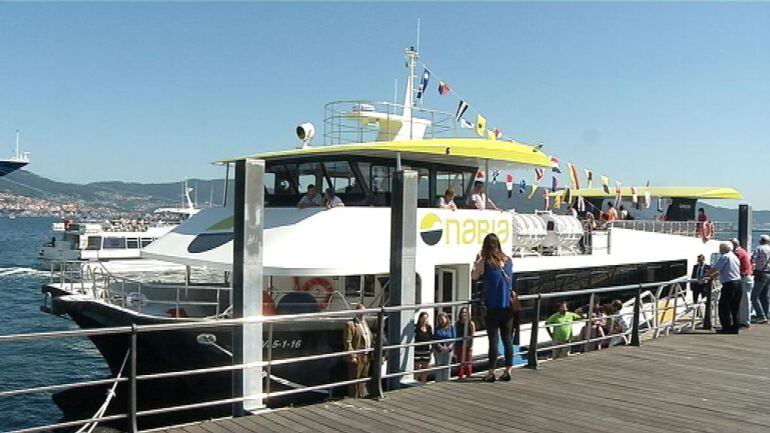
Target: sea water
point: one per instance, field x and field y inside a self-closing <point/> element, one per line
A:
<point x="34" y="363"/>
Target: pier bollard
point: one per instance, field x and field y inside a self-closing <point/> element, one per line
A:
<point x="532" y="350"/>
<point x="707" y="314"/>
<point x="635" y="340"/>
<point x="132" y="423"/>
<point x="375" y="385"/>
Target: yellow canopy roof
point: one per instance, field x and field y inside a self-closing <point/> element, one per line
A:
<point x="696" y="192"/>
<point x="457" y="151"/>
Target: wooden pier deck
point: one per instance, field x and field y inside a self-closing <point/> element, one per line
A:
<point x="682" y="383"/>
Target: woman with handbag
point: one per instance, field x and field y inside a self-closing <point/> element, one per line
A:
<point x="499" y="296"/>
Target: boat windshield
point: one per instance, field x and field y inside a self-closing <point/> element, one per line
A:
<point x="360" y="181"/>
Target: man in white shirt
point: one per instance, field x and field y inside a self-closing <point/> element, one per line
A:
<point x="729" y="270"/>
<point x="760" y="295"/>
<point x="332" y="200"/>
<point x="311" y="199"/>
<point x="478" y="199"/>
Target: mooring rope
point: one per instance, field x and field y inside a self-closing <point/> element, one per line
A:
<point x="88" y="428"/>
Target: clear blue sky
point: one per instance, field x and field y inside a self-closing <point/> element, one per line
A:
<point x="677" y="94"/>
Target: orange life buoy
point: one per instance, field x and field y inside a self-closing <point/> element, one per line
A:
<point x="707" y="232"/>
<point x="326" y="289"/>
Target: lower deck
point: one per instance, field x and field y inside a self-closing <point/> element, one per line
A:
<point x="689" y="382"/>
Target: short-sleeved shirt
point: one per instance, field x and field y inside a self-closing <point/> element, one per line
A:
<point x="761" y="257"/>
<point x="442" y="203"/>
<point x="335" y="201"/>
<point x="563" y="332"/>
<point x="744" y="261"/>
<point x="729" y="268"/>
<point x="307" y="201"/>
<point x="479" y="200"/>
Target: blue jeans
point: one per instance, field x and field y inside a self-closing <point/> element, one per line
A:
<point x="760" y="297"/>
<point x="442" y="358"/>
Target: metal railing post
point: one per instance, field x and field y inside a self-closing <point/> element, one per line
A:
<point x="465" y="343"/>
<point x="589" y="326"/>
<point x="375" y="384"/>
<point x="707" y="314"/>
<point x="269" y="359"/>
<point x="635" y="340"/>
<point x="532" y="350"/>
<point x="132" y="373"/>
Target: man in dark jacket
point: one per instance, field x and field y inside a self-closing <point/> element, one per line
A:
<point x="700" y="273"/>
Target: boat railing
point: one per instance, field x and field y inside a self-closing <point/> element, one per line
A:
<point x="655" y="310"/>
<point x="680" y="228"/>
<point x="357" y="121"/>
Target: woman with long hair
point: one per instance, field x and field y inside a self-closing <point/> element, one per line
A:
<point x="497" y="270"/>
<point x="443" y="350"/>
<point x="423" y="333"/>
<point x="464" y="347"/>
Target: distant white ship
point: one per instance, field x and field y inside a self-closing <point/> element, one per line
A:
<point x="15" y="162"/>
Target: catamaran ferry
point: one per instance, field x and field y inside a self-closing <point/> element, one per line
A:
<point x="319" y="259"/>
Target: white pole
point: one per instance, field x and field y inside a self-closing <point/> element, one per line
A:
<point x="418" y="35"/>
<point x="18" y="154"/>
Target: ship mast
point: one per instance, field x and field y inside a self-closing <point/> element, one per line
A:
<point x="412" y="56"/>
<point x="18" y="153"/>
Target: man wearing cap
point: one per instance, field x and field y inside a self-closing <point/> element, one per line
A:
<point x="747" y="283"/>
<point x="760" y="295"/>
<point x="478" y="199"/>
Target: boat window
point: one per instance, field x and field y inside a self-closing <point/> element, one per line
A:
<point x="342" y="178"/>
<point x="380" y="178"/>
<point x="146" y="241"/>
<point x="132" y="243"/>
<point x="454" y="180"/>
<point x="310" y="173"/>
<point x="113" y="243"/>
<point x="369" y="286"/>
<point x="423" y="187"/>
<point x="353" y="286"/>
<point x="277" y="181"/>
<point x="94" y="243"/>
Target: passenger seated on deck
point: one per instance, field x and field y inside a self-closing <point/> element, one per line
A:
<point x="332" y="200"/>
<point x="619" y="325"/>
<point x="478" y="199"/>
<point x="612" y="214"/>
<point x="448" y="200"/>
<point x="561" y="333"/>
<point x="311" y="199"/>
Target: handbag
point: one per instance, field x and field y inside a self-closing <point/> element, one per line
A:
<point x="514" y="298"/>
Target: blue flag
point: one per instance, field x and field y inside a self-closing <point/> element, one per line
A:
<point x="423" y="83"/>
<point x="522" y="186"/>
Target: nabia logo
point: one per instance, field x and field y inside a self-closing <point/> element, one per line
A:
<point x="465" y="231"/>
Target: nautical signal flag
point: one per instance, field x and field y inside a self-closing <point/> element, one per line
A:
<point x="605" y="184"/>
<point x="461" y="109"/>
<point x="509" y="184"/>
<point x="465" y="124"/>
<point x="481" y="125"/>
<point x="581" y="204"/>
<point x="423" y="83"/>
<point x="557" y="202"/>
<point x="532" y="193"/>
<point x="522" y="186"/>
<point x="573" y="176"/>
<point x="554" y="183"/>
<point x="539" y="174"/>
<point x="479" y="175"/>
<point x="634" y="196"/>
<point x="618" y="196"/>
<point x="546" y="200"/>
<point x="555" y="161"/>
<point x="647" y="199"/>
<point x="443" y="88"/>
<point x="491" y="135"/>
<point x="589" y="178"/>
<point x="495" y="175"/>
<point x="567" y="196"/>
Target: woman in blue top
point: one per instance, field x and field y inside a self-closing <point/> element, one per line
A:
<point x="443" y="355"/>
<point x="497" y="270"/>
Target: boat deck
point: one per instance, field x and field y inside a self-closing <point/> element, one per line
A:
<point x="683" y="383"/>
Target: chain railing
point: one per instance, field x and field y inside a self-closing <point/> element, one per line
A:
<point x="656" y="310"/>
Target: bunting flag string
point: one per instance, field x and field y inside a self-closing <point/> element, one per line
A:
<point x="465" y="124"/>
<point x="509" y="184"/>
<point x="618" y="194"/>
<point x="495" y="175"/>
<point x="573" y="176"/>
<point x="532" y="193"/>
<point x="481" y="125"/>
<point x="567" y="195"/>
<point x="522" y="186"/>
<point x="634" y="196"/>
<point x="491" y="135"/>
<point x="555" y="168"/>
<point x="581" y="204"/>
<point x="462" y="107"/>
<point x="660" y="204"/>
<point x="554" y="183"/>
<point x="423" y="83"/>
<point x="443" y="88"/>
<point x="539" y="174"/>
<point x="546" y="200"/>
<point x="605" y="184"/>
<point x="589" y="178"/>
<point x="647" y="199"/>
<point x="557" y="201"/>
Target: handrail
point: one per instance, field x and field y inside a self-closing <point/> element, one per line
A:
<point x="641" y="315"/>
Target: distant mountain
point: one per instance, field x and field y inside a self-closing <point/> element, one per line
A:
<point x="128" y="196"/>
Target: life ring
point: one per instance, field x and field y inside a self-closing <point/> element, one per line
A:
<point x="707" y="232"/>
<point x="325" y="285"/>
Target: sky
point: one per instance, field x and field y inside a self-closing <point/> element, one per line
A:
<point x="671" y="93"/>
